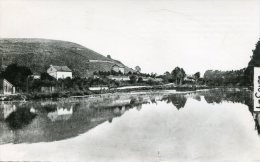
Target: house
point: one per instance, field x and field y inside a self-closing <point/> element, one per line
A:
<point x="118" y="68"/>
<point x="36" y="76"/>
<point x="6" y="87"/>
<point x="59" y="72"/>
<point x="158" y="79"/>
<point x="118" y="78"/>
<point x="189" y="78"/>
<point x="98" y="88"/>
<point x="48" y="89"/>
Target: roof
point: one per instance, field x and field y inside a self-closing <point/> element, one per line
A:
<point x="4" y="80"/>
<point x="62" y="68"/>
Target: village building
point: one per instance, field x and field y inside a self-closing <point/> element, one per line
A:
<point x="146" y="79"/>
<point x="59" y="72"/>
<point x="98" y="88"/>
<point x="118" y="68"/>
<point x="48" y="89"/>
<point x="158" y="79"/>
<point x="189" y="79"/>
<point x="6" y="88"/>
<point x="118" y="78"/>
<point x="36" y="75"/>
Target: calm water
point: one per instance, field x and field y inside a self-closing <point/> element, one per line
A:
<point x="213" y="125"/>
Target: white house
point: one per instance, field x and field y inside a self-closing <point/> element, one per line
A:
<point x="61" y="114"/>
<point x="118" y="68"/>
<point x="36" y="76"/>
<point x="119" y="78"/>
<point x="59" y="72"/>
<point x="6" y="88"/>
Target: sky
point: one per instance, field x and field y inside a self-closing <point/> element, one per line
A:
<point x="157" y="35"/>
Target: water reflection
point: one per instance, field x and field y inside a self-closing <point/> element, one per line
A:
<point x="20" y="118"/>
<point x="178" y="100"/>
<point x="217" y="96"/>
<point x="46" y="121"/>
<point x="60" y="113"/>
<point x="52" y="121"/>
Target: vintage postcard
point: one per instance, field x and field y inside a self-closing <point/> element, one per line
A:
<point x="130" y="80"/>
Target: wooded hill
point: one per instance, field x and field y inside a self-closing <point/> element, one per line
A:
<point x="39" y="54"/>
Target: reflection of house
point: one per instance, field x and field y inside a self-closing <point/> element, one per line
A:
<point x="119" y="110"/>
<point x="6" y="87"/>
<point x="59" y="72"/>
<point x="119" y="78"/>
<point x="61" y="114"/>
<point x="118" y="68"/>
<point x="6" y="110"/>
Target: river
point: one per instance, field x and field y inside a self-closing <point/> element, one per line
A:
<point x="209" y="125"/>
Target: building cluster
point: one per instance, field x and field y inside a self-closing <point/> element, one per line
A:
<point x="57" y="72"/>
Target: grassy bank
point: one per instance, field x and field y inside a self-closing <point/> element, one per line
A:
<point x="66" y="94"/>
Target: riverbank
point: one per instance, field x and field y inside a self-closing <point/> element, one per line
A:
<point x="86" y="93"/>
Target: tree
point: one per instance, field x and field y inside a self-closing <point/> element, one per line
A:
<point x="140" y="80"/>
<point x="133" y="79"/>
<point x="254" y="62"/>
<point x="226" y="78"/>
<point x="17" y="75"/>
<point x="197" y="76"/>
<point x="178" y="75"/>
<point x="167" y="77"/>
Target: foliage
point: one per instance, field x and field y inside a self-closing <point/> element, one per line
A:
<point x="133" y="79"/>
<point x="140" y="80"/>
<point x="39" y="54"/>
<point x="254" y="62"/>
<point x="17" y="75"/>
<point x="224" y="78"/>
<point x="197" y="75"/>
<point x="178" y="75"/>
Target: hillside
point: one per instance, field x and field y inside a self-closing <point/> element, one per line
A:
<point x="38" y="54"/>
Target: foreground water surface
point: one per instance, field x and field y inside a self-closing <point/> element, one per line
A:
<point x="211" y="125"/>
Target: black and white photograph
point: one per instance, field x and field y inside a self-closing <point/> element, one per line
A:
<point x="130" y="80"/>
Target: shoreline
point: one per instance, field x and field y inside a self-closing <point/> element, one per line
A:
<point x="69" y="94"/>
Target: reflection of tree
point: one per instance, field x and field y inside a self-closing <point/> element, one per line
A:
<point x="177" y="100"/>
<point x="197" y="97"/>
<point x="257" y="123"/>
<point x="20" y="118"/>
<point x="220" y="95"/>
<point x="139" y="107"/>
<point x="213" y="98"/>
<point x="236" y="96"/>
<point x="83" y="116"/>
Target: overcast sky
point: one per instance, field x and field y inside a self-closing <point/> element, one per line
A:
<point x="157" y="35"/>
